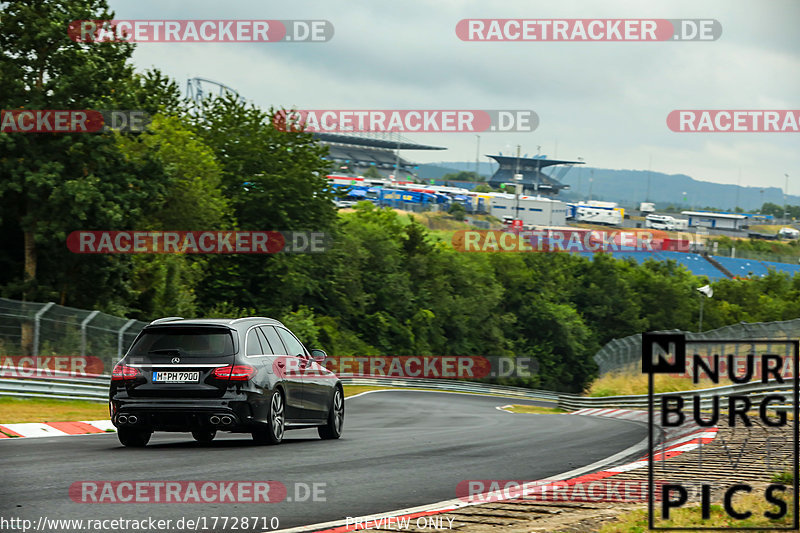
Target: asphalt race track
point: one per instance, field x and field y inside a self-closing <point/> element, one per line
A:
<point x="399" y="449"/>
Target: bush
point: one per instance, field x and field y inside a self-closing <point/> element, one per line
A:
<point x="457" y="211"/>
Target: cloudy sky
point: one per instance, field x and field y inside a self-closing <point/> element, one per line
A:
<point x="603" y="101"/>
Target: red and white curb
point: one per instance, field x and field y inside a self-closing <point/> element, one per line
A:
<point x="54" y="429"/>
<point x="676" y="441"/>
<point x="61" y="429"/>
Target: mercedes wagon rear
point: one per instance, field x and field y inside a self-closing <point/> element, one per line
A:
<point x="248" y="375"/>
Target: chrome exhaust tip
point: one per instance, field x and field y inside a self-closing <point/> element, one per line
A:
<point x="133" y="419"/>
<point x="226" y="420"/>
<point x="122" y="419"/>
<point x="214" y="419"/>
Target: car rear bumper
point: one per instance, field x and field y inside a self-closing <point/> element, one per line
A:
<point x="172" y="415"/>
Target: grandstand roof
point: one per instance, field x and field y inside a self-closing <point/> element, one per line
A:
<point x="530" y="168"/>
<point x="364" y="156"/>
<point x="368" y="142"/>
<point x="532" y="161"/>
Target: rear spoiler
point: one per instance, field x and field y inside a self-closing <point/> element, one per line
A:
<point x="165" y="319"/>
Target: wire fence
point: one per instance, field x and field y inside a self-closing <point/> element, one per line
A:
<point x="36" y="329"/>
<point x="626" y="352"/>
<point x="757" y="255"/>
<point x="40" y="330"/>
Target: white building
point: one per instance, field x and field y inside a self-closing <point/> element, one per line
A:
<point x="533" y="210"/>
<point x="707" y="219"/>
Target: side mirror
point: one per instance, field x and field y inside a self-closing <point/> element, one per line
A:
<point x="318" y="355"/>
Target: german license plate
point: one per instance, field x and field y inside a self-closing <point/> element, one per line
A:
<point x="176" y="377"/>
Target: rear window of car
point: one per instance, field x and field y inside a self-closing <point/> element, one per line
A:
<point x="185" y="341"/>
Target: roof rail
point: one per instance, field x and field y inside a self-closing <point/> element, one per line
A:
<point x="165" y="319"/>
<point x="252" y="318"/>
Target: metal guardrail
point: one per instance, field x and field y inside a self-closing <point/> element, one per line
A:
<point x="59" y="388"/>
<point x="450" y="385"/>
<point x="59" y="385"/>
<point x="96" y="387"/>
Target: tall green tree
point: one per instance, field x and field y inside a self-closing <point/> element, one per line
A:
<point x="53" y="183"/>
<point x="275" y="181"/>
<point x="192" y="196"/>
<point x="191" y="199"/>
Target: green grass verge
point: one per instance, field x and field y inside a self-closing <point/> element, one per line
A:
<point x="16" y="410"/>
<point x="630" y="381"/>
<point x="19" y="410"/>
<point x="691" y="517"/>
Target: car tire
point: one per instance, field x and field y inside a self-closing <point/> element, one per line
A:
<point x="204" y="435"/>
<point x="273" y="432"/>
<point x="333" y="428"/>
<point x="133" y="438"/>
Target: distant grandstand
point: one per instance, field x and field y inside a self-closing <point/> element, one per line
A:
<point x="534" y="181"/>
<point x="354" y="154"/>
<point x="714" y="267"/>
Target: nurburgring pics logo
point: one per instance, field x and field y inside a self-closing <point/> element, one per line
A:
<point x="406" y="120"/>
<point x="583" y="30"/>
<point x="762" y="396"/>
<point x="72" y="121"/>
<point x="739" y="368"/>
<point x="200" y="31"/>
<point x="734" y="121"/>
<point x="197" y="242"/>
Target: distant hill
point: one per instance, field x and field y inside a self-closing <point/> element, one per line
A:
<point x="437" y="170"/>
<point x="629" y="187"/>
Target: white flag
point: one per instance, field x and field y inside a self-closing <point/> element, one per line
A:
<point x="707" y="290"/>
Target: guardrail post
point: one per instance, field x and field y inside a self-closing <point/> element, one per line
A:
<point x="121" y="332"/>
<point x="85" y="323"/>
<point x="36" y="328"/>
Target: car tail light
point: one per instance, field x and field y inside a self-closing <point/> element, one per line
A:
<point x="123" y="372"/>
<point x="235" y="372"/>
